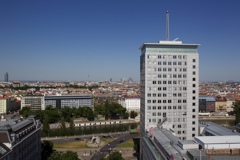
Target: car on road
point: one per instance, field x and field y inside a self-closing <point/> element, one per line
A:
<point x="78" y="139"/>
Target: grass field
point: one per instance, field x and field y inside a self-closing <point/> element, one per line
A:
<point x="71" y="145"/>
<point x="126" y="144"/>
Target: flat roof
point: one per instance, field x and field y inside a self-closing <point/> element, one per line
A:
<point x="216" y="129"/>
<point x="207" y="98"/>
<point x="218" y="139"/>
<point x="66" y="97"/>
<point x="168" y="43"/>
<point x="21" y="124"/>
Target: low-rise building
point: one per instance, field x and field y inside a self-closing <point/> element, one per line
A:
<point x="206" y="104"/>
<point x="131" y="103"/>
<point x="221" y="104"/>
<point x="100" y="99"/>
<point x="35" y="102"/>
<point x="69" y="101"/>
<point x="214" y="142"/>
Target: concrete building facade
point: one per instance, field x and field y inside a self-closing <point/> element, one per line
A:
<point x="131" y="103"/>
<point x="206" y="104"/>
<point x="221" y="104"/>
<point x="9" y="104"/>
<point x="3" y="105"/>
<point x="169" y="76"/>
<point x="70" y="101"/>
<point x="35" y="102"/>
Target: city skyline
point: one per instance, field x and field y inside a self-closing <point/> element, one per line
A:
<point x="99" y="40"/>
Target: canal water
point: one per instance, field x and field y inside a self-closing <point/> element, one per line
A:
<point x="120" y="128"/>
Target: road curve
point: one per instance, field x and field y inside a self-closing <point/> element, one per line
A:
<point x="108" y="147"/>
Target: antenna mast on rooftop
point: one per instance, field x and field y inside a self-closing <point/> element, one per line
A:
<point x="167" y="25"/>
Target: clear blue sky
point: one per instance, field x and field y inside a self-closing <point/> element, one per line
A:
<point x="71" y="39"/>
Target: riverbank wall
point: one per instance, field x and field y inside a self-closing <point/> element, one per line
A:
<point x="94" y="123"/>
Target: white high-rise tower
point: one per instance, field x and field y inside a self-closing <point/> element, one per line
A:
<point x="169" y="77"/>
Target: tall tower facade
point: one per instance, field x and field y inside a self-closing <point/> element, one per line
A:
<point x="6" y="77"/>
<point x="169" y="77"/>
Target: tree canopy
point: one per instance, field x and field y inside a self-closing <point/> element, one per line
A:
<point x="69" y="155"/>
<point x="111" y="110"/>
<point x="114" y="156"/>
<point x="54" y="115"/>
<point x="133" y="114"/>
<point x="236" y="108"/>
<point x="46" y="149"/>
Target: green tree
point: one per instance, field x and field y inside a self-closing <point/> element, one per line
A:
<point x="107" y="109"/>
<point x="111" y="110"/>
<point x="114" y="156"/>
<point x="63" y="130"/>
<point x="116" y="110"/>
<point x="126" y="115"/>
<point x="49" y="107"/>
<point x="86" y="112"/>
<point x="46" y="149"/>
<point x="53" y="115"/>
<point x="40" y="114"/>
<point x="99" y="110"/>
<point x="55" y="156"/>
<point x="71" y="127"/>
<point x="46" y="127"/>
<point x="66" y="113"/>
<point x="133" y="114"/>
<point x="25" y="111"/>
<point x="237" y="111"/>
<point x="69" y="155"/>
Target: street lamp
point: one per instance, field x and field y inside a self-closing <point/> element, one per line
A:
<point x="82" y="130"/>
<point x="123" y="135"/>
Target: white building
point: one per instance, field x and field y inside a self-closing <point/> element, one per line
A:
<point x="218" y="142"/>
<point x="3" y="105"/>
<point x="69" y="101"/>
<point x="169" y="76"/>
<point x="35" y="102"/>
<point x="131" y="103"/>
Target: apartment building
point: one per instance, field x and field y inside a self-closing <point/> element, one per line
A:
<point x="3" y="105"/>
<point x="20" y="139"/>
<point x="9" y="104"/>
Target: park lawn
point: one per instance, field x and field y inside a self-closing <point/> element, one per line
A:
<point x="77" y="144"/>
<point x="71" y="145"/>
<point x="126" y="144"/>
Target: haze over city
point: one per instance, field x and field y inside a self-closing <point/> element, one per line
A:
<point x="98" y="40"/>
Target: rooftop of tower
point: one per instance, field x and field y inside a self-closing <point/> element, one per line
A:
<point x="168" y="43"/>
